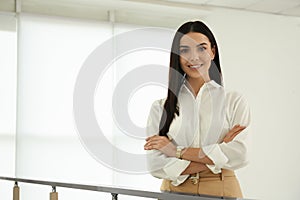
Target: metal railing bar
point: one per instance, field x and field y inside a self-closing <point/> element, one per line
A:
<point x="114" y="190"/>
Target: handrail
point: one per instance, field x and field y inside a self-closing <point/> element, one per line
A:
<point x="115" y="191"/>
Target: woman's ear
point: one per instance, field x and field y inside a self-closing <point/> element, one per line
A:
<point x="213" y="50"/>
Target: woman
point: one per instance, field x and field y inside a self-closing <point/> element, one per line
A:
<point x="198" y="133"/>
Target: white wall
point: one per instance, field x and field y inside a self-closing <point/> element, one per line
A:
<point x="259" y="57"/>
<point x="48" y="144"/>
<point x="8" y="72"/>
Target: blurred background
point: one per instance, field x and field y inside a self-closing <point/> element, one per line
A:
<point x="43" y="45"/>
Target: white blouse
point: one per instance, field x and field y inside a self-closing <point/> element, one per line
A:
<point x="203" y="122"/>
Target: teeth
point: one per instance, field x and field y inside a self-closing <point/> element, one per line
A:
<point x="196" y="66"/>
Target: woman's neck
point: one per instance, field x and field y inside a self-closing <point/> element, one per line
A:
<point x="195" y="84"/>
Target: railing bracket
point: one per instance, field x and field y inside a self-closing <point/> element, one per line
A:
<point x="114" y="196"/>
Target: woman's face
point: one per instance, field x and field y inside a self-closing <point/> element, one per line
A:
<point x="195" y="54"/>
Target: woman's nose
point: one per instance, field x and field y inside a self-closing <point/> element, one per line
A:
<point x="194" y="56"/>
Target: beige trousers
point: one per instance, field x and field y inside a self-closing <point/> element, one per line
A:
<point x="224" y="184"/>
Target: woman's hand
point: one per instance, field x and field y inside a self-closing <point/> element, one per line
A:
<point x="162" y="144"/>
<point x="233" y="132"/>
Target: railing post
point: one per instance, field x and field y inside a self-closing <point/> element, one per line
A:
<point x="16" y="192"/>
<point x="53" y="194"/>
<point x="114" y="196"/>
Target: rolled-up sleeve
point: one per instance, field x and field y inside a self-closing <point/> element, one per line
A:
<point x="232" y="155"/>
<point x="160" y="165"/>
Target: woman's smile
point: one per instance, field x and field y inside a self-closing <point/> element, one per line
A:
<point x="195" y="66"/>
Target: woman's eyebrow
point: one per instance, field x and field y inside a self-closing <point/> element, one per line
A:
<point x="201" y="44"/>
<point x="183" y="46"/>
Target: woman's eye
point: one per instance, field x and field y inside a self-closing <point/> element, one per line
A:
<point x="201" y="49"/>
<point x="183" y="51"/>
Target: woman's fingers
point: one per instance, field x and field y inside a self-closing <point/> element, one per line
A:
<point x="149" y="138"/>
<point x="231" y="137"/>
<point x="233" y="132"/>
<point x="235" y="129"/>
<point x="150" y="143"/>
<point x="157" y="138"/>
<point x="156" y="142"/>
<point x="149" y="146"/>
<point x="237" y="132"/>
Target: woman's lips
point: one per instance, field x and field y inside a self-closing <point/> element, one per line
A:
<point x="195" y="66"/>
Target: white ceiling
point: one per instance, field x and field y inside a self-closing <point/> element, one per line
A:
<point x="166" y="13"/>
<point x="280" y="7"/>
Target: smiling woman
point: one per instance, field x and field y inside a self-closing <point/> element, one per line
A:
<point x="197" y="135"/>
<point x="196" y="54"/>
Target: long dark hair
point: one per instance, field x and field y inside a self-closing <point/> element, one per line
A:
<point x="176" y="80"/>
